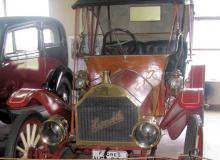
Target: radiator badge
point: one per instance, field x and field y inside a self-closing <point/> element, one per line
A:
<point x="99" y="125"/>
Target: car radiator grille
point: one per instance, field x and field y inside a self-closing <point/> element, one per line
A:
<point x="109" y="119"/>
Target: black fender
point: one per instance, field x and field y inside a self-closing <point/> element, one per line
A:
<point x="6" y="116"/>
<point x="55" y="76"/>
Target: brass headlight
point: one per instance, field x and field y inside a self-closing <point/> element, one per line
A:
<point x="176" y="82"/>
<point x="54" y="130"/>
<point x="81" y="79"/>
<point x="146" y="134"/>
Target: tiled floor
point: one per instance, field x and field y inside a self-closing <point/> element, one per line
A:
<point x="211" y="138"/>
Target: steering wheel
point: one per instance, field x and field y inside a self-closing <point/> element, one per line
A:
<point x="118" y="46"/>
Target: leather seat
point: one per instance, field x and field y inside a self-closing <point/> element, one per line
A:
<point x="150" y="47"/>
<point x="157" y="47"/>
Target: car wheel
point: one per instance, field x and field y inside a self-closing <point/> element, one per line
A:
<point x="194" y="138"/>
<point x="24" y="136"/>
<point x="64" y="90"/>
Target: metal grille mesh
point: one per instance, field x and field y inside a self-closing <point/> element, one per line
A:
<point x="106" y="119"/>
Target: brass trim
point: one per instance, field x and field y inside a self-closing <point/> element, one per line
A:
<point x="105" y="77"/>
<point x="152" y="122"/>
<point x="106" y="90"/>
<point x="62" y="123"/>
<point x="109" y="90"/>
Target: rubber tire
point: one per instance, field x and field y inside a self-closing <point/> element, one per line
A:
<point x="66" y="82"/>
<point x="191" y="135"/>
<point x="15" y="129"/>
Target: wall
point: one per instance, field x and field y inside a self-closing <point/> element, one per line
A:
<point x="61" y="10"/>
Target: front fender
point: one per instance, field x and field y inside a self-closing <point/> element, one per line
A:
<point x="54" y="77"/>
<point x="26" y="97"/>
<point x="189" y="102"/>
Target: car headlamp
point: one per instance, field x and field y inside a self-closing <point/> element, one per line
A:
<point x="146" y="134"/>
<point x="54" y="130"/>
<point x="79" y="83"/>
<point x="176" y="82"/>
<point x="81" y="79"/>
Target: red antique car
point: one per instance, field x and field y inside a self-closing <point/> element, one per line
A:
<point x="33" y="54"/>
<point x="135" y="55"/>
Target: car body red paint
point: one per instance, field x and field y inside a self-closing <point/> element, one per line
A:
<point x="33" y="54"/>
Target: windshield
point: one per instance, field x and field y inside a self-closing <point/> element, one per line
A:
<point x="130" y="29"/>
<point x="137" y="19"/>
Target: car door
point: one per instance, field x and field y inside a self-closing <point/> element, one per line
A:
<point x="54" y="44"/>
<point x="22" y="65"/>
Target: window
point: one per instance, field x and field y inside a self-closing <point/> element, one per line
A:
<point x="207" y="8"/>
<point x="51" y="37"/>
<point x="9" y="44"/>
<point x="211" y="60"/>
<point x="151" y="13"/>
<point x="206" y="34"/>
<point x="27" y="7"/>
<point x="2" y="14"/>
<point x="26" y="40"/>
<point x="206" y="46"/>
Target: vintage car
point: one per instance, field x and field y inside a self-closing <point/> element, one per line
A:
<point x="33" y="54"/>
<point x="134" y="86"/>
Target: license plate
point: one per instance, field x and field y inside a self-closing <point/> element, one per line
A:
<point x="99" y="154"/>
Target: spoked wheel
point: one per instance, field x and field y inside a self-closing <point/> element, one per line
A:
<point x="194" y="138"/>
<point x="64" y="90"/>
<point x="24" y="137"/>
